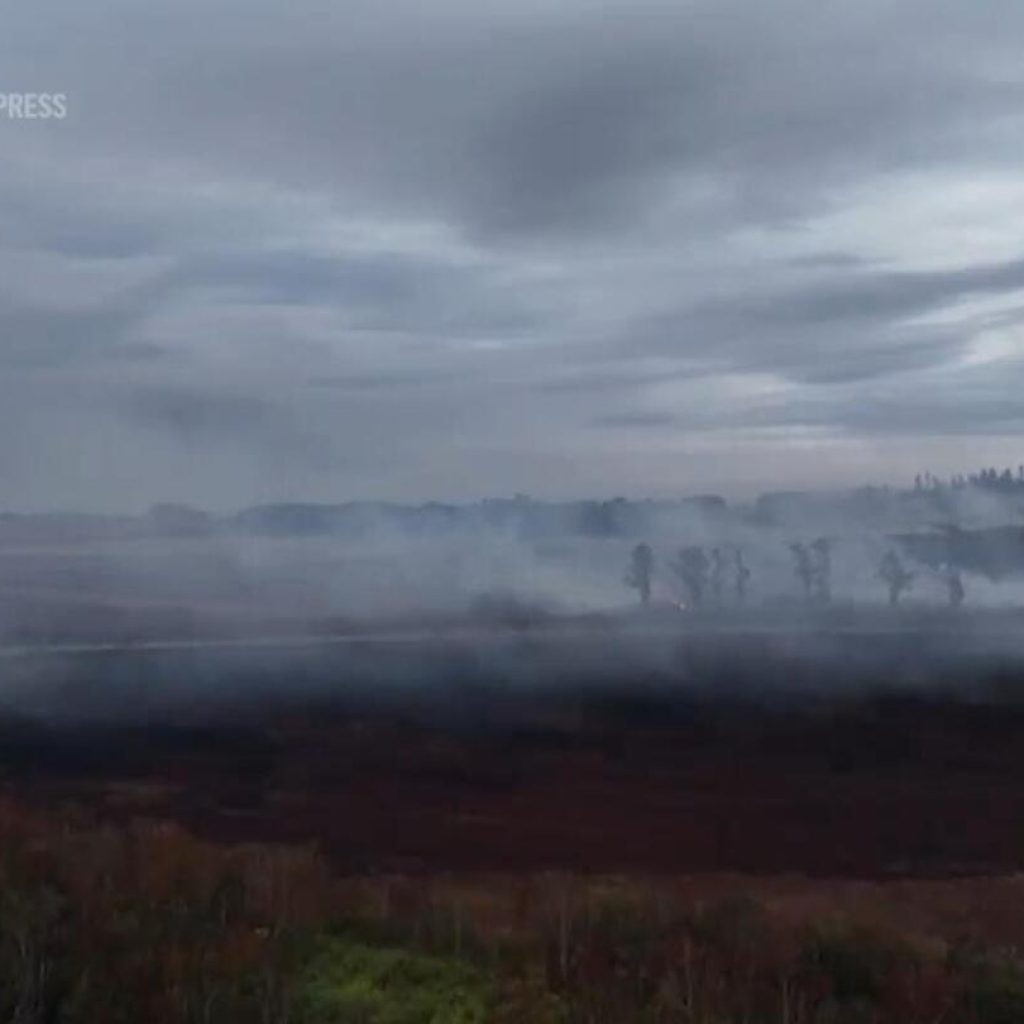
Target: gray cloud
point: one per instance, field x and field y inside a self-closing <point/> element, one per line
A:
<point x="635" y="420"/>
<point x="33" y="339"/>
<point x="850" y="324"/>
<point x="450" y="249"/>
<point x="198" y="416"/>
<point x="867" y="297"/>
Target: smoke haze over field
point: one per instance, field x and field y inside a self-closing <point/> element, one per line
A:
<point x="179" y="572"/>
<point x="447" y="610"/>
<point x="434" y="251"/>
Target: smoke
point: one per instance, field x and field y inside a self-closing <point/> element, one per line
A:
<point x="179" y="607"/>
<point x="312" y="567"/>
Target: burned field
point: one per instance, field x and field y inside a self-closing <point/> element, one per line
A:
<point x="865" y="748"/>
<point x="791" y="811"/>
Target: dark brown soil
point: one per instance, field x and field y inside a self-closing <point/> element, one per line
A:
<point x="592" y="782"/>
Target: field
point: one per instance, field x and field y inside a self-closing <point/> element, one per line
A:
<point x="471" y="775"/>
<point x="504" y="814"/>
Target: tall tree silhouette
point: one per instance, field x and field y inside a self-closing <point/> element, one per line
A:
<point x="641" y="571"/>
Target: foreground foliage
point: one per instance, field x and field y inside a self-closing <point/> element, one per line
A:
<point x="142" y="922"/>
<point x="351" y="980"/>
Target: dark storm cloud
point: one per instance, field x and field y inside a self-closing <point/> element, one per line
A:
<point x="530" y="117"/>
<point x="431" y="243"/>
<point x="555" y="118"/>
<point x="574" y="153"/>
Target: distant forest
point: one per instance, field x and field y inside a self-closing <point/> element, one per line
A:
<point x="990" y="478"/>
<point x="929" y="499"/>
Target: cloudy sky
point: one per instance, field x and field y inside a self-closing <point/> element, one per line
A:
<point x="442" y="249"/>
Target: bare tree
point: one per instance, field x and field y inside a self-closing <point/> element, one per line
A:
<point x="741" y="577"/>
<point x="896" y="577"/>
<point x="641" y="571"/>
<point x="691" y="566"/>
<point x="822" y="569"/>
<point x="804" y="568"/>
<point x="718" y="571"/>
<point x="954" y="586"/>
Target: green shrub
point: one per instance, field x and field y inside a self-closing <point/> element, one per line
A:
<point x="349" y="982"/>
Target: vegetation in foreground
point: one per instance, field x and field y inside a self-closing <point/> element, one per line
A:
<point x="143" y="922"/>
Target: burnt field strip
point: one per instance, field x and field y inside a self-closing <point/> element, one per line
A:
<point x="857" y="750"/>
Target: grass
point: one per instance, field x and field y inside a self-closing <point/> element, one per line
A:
<point x="347" y="981"/>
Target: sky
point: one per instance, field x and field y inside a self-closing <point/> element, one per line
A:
<point x="440" y="250"/>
